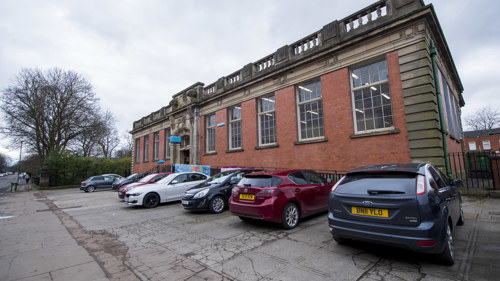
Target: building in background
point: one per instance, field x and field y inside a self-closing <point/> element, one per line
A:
<point x="486" y="140"/>
<point x="377" y="86"/>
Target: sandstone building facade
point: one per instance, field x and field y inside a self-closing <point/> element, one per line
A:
<point x="378" y="86"/>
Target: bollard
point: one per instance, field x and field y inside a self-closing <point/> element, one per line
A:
<point x="13" y="186"/>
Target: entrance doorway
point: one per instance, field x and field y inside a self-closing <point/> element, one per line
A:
<point x="184" y="157"/>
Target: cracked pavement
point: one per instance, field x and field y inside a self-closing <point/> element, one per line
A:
<point x="108" y="240"/>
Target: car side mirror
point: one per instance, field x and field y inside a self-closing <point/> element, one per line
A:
<point x="233" y="181"/>
<point x="457" y="182"/>
<point x="174" y="182"/>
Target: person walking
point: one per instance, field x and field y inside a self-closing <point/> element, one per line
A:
<point x="27" y="178"/>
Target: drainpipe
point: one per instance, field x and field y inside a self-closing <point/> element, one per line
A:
<point x="440" y="109"/>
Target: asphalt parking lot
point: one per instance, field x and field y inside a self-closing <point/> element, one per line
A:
<point x="53" y="235"/>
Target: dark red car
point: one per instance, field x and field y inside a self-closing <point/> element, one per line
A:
<point x="151" y="178"/>
<point x="282" y="196"/>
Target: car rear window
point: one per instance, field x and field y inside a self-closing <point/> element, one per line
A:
<point x="260" y="181"/>
<point x="374" y="184"/>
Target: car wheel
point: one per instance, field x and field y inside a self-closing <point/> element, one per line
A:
<point x="447" y="257"/>
<point x="151" y="200"/>
<point x="90" y="188"/>
<point x="461" y="220"/>
<point x="217" y="205"/>
<point x="290" y="217"/>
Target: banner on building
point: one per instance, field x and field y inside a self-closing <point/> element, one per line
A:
<point x="181" y="168"/>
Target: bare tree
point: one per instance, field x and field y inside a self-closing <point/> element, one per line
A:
<point x="107" y="135"/>
<point x="485" y="118"/>
<point x="4" y="162"/>
<point x="47" y="110"/>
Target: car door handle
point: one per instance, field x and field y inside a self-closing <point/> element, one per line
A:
<point x="297" y="190"/>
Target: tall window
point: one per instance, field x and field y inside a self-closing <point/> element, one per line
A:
<point x="310" y="110"/>
<point x="235" y="127"/>
<point x="137" y="150"/>
<point x="146" y="148"/>
<point x="167" y="143"/>
<point x="156" y="146"/>
<point x="371" y="98"/>
<point x="210" y="136"/>
<point x="267" y="120"/>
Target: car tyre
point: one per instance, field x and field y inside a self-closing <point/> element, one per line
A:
<point x="217" y="205"/>
<point x="461" y="220"/>
<point x="151" y="200"/>
<point x="290" y="217"/>
<point x="90" y="188"/>
<point x="447" y="257"/>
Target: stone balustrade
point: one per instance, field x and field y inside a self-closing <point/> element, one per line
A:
<point x="331" y="35"/>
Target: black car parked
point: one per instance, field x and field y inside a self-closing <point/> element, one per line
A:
<point x="101" y="181"/>
<point x="213" y="194"/>
<point x="132" y="178"/>
<point x="413" y="206"/>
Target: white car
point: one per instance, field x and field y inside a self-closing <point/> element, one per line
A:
<point x="170" y="188"/>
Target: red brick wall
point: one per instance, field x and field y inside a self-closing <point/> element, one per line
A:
<point x="141" y="166"/>
<point x="340" y="152"/>
<point x="494" y="143"/>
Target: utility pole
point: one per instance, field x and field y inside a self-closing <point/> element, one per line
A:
<point x="19" y="164"/>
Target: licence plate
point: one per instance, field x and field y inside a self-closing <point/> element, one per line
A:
<point x="371" y="212"/>
<point x="247" y="196"/>
<point x="184" y="202"/>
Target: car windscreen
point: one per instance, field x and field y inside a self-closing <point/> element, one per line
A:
<point x="378" y="184"/>
<point x="260" y="181"/>
<point x="167" y="178"/>
<point x="147" y="178"/>
<point x="220" y="177"/>
<point x="131" y="176"/>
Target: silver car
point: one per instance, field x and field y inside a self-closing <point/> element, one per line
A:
<point x="168" y="189"/>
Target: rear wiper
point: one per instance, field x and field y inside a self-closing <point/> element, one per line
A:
<point x="371" y="191"/>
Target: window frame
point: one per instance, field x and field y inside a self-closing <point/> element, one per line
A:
<point x="235" y="133"/>
<point x="486" y="143"/>
<point x="318" y="100"/>
<point x="471" y="145"/>
<point x="156" y="146"/>
<point x="210" y="134"/>
<point x="137" y="150"/>
<point x="268" y="132"/>
<point x="168" y="134"/>
<point x="372" y="86"/>
<point x="146" y="149"/>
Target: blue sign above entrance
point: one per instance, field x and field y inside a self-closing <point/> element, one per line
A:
<point x="175" y="139"/>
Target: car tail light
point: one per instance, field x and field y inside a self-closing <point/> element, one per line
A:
<point x="338" y="183"/>
<point x="84" y="183"/>
<point x="427" y="243"/>
<point x="420" y="184"/>
<point x="268" y="193"/>
<point x="235" y="192"/>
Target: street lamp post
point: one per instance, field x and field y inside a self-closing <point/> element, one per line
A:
<point x="19" y="165"/>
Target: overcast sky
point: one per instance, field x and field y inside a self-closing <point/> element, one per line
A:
<point x="138" y="53"/>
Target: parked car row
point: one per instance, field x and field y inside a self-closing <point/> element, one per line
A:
<point x="413" y="205"/>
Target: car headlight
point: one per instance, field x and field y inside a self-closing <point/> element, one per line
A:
<point x="135" y="194"/>
<point x="200" y="194"/>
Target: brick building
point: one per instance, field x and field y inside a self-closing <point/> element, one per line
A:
<point x="487" y="140"/>
<point x="361" y="90"/>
